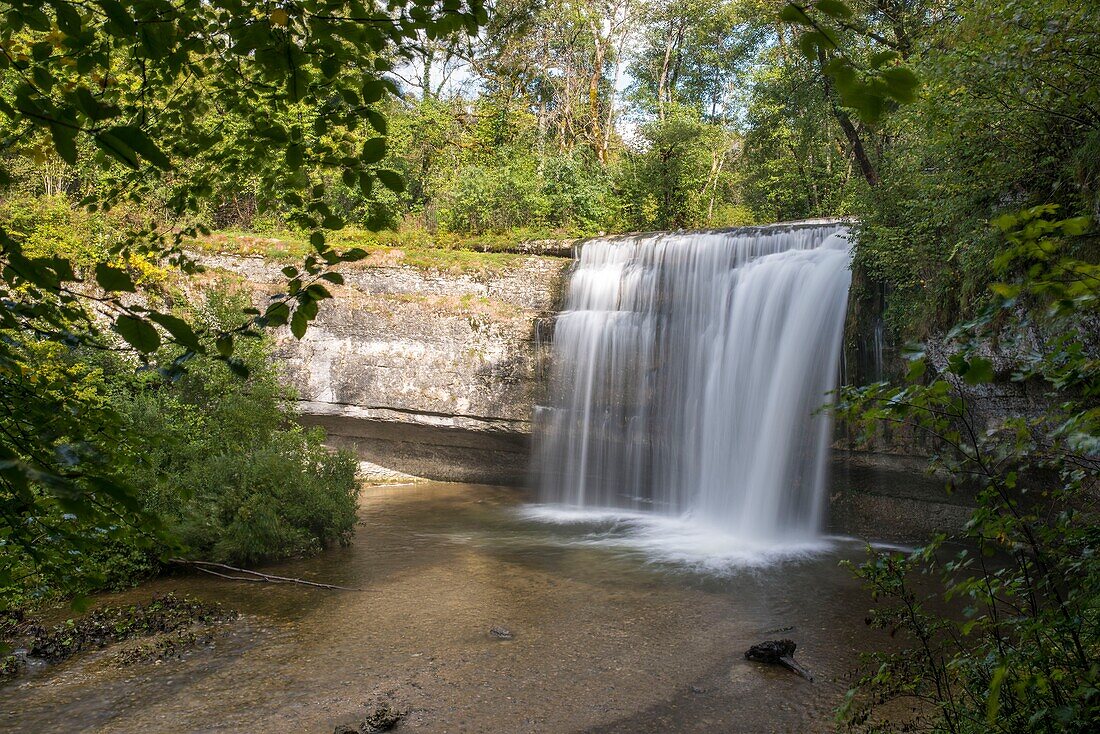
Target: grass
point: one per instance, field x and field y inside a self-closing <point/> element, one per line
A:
<point x="412" y="247"/>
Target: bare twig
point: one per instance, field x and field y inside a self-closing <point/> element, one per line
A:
<point x="255" y="576"/>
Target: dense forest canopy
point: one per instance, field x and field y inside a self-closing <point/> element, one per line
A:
<point x="922" y="119"/>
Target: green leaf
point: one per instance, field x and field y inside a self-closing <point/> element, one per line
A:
<point x="297" y="83"/>
<point x="330" y="67"/>
<point x="794" y="14"/>
<point x="979" y="372"/>
<point x="378" y="121"/>
<point x="392" y="180"/>
<point x="901" y="82"/>
<point x="138" y="333"/>
<point x="87" y="103"/>
<point x="882" y="58"/>
<point x="298" y="324"/>
<point x="35" y="18"/>
<point x="373" y="91"/>
<point x="138" y="141"/>
<point x="993" y="702"/>
<point x="277" y="314"/>
<point x="833" y="8"/>
<point x="307" y="307"/>
<point x="318" y="291"/>
<point x="294" y="156"/>
<point x="810" y="42"/>
<point x="917" y="368"/>
<point x="374" y="150"/>
<point x="115" y="147"/>
<point x="224" y="344"/>
<point x="957" y="364"/>
<point x="1005" y="290"/>
<point x="64" y="142"/>
<point x="180" y="330"/>
<point x="1076" y="226"/>
<point x="68" y="20"/>
<point x="113" y="279"/>
<point x="118" y="15"/>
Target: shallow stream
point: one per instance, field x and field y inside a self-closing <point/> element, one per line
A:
<point x="617" y="627"/>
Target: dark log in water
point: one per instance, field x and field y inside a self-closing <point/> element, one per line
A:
<point x="778" y="652"/>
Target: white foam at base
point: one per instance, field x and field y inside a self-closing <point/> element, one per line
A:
<point x="678" y="541"/>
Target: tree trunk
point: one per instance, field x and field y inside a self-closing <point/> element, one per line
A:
<point x="426" y="78"/>
<point x="866" y="166"/>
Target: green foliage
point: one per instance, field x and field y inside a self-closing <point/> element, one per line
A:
<point x="221" y="464"/>
<point x="210" y="464"/>
<point x="872" y="84"/>
<point x="1013" y="647"/>
<point x="792" y="166"/>
<point x="991" y="132"/>
<point x="680" y="173"/>
<point x="487" y="198"/>
<point x="151" y="115"/>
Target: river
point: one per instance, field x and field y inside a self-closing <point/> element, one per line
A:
<point x="612" y="632"/>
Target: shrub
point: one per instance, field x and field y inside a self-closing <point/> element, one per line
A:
<point x="214" y="463"/>
<point x="1013" y="644"/>
<point x="223" y="463"/>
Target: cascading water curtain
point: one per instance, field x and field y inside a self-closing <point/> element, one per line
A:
<point x="687" y="375"/>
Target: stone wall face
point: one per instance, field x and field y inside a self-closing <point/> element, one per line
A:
<point x="428" y="373"/>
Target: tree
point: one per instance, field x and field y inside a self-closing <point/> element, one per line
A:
<point x="135" y="90"/>
<point x="681" y="170"/>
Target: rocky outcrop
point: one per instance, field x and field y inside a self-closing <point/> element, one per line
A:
<point x="424" y="372"/>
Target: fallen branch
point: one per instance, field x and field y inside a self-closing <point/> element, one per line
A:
<point x="254" y="576"/>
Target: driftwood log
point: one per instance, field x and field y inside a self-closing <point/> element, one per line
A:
<point x="778" y="652"/>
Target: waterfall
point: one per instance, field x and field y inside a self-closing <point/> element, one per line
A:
<point x="687" y="374"/>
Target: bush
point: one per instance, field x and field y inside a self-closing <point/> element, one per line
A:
<point x="225" y="467"/>
<point x="213" y="463"/>
<point x="492" y="198"/>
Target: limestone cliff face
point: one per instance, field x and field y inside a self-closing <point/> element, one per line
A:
<point x="425" y="372"/>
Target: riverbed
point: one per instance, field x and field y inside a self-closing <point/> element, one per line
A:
<point x="614" y="628"/>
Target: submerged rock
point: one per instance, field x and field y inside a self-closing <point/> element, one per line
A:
<point x="778" y="652"/>
<point x="382" y="717"/>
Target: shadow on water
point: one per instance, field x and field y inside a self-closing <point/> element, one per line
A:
<point x="607" y="636"/>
